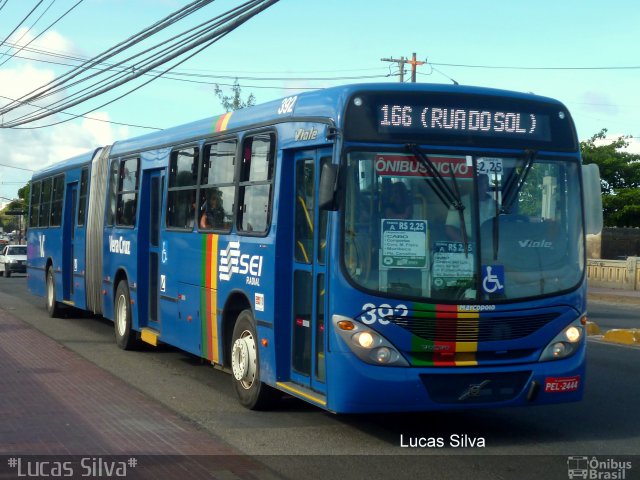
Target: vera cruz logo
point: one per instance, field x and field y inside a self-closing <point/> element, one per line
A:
<point x="233" y="261"/>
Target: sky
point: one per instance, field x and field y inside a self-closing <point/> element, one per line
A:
<point x="551" y="48"/>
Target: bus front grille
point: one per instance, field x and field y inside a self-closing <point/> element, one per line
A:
<point x="484" y="329"/>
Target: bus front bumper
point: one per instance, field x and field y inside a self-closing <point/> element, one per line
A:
<point x="362" y="388"/>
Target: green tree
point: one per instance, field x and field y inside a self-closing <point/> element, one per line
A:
<point x="234" y="101"/>
<point x="620" y="178"/>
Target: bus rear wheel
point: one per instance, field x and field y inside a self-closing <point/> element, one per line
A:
<point x="126" y="337"/>
<point x="245" y="365"/>
<point x="53" y="308"/>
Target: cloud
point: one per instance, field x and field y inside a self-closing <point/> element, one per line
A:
<point x="36" y="148"/>
<point x="633" y="147"/>
<point x="598" y="103"/>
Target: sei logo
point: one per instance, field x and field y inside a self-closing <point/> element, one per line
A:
<point x="380" y="313"/>
<point x="287" y="105"/>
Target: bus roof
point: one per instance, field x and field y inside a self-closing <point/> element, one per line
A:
<point x="70" y="163"/>
<point x="327" y="104"/>
<point x="323" y="105"/>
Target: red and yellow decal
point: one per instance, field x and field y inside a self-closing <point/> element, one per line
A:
<point x="220" y="124"/>
<point x="209" y="298"/>
<point x="452" y="321"/>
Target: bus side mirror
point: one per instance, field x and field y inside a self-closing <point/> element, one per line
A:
<point x="592" y="196"/>
<point x="328" y="187"/>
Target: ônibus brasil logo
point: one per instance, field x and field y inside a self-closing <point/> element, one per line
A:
<point x="594" y="468"/>
<point x="233" y="261"/>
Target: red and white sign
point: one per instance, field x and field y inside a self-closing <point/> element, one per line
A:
<point x="561" y="384"/>
<point x="394" y="165"/>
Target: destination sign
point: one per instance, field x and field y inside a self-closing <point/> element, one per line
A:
<point x="454" y="120"/>
<point x="465" y="117"/>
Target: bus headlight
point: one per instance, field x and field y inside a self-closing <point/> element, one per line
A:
<point x="573" y="334"/>
<point x="564" y="344"/>
<point x="367" y="344"/>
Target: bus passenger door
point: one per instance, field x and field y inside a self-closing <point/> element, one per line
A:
<point x="309" y="272"/>
<point x="149" y="250"/>
<point x="68" y="240"/>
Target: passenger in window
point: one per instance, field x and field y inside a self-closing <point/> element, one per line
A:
<point x="400" y="205"/>
<point x="212" y="211"/>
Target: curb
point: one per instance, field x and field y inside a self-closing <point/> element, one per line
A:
<point x="592" y="328"/>
<point x="623" y="336"/>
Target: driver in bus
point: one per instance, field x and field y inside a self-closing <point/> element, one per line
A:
<point x="486" y="203"/>
<point x="400" y="205"/>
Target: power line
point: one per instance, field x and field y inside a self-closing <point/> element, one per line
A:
<point x="43" y="31"/>
<point x="143" y="34"/>
<point x="504" y="67"/>
<point x="176" y="74"/>
<point x="32" y="25"/>
<point x="93" y="118"/>
<point x="224" y="25"/>
<point x="210" y="32"/>
<point x="21" y="22"/>
<point x="17" y="168"/>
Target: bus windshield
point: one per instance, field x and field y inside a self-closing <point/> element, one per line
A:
<point x="462" y="228"/>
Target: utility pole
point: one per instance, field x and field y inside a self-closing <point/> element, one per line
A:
<point x="414" y="63"/>
<point x="401" y="62"/>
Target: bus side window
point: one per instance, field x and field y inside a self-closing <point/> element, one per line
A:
<point x="304" y="211"/>
<point x="216" y="200"/>
<point x="113" y="193"/>
<point x="127" y="192"/>
<point x="256" y="179"/>
<point x="45" y="202"/>
<point x="35" y="204"/>
<point x="183" y="177"/>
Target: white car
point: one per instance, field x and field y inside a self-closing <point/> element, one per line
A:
<point x="13" y="259"/>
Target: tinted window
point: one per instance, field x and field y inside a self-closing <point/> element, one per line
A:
<point x="258" y="159"/>
<point x="183" y="176"/>
<point x="127" y="192"/>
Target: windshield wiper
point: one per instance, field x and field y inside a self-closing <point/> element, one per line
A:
<point x="515" y="181"/>
<point x="451" y="198"/>
<point x="511" y="189"/>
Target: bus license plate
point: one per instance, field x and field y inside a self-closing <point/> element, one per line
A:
<point x="561" y="384"/>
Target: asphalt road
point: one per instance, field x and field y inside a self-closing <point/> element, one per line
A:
<point x="605" y="423"/>
<point x="608" y="315"/>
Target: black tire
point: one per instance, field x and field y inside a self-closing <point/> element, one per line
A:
<point x="245" y="365"/>
<point x="126" y="337"/>
<point x="53" y="307"/>
<point x="8" y="273"/>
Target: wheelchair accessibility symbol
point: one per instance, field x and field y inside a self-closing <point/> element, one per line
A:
<point x="493" y="278"/>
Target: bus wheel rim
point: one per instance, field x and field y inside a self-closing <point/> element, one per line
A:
<point x="50" y="298"/>
<point x="121" y="315"/>
<point x="244" y="360"/>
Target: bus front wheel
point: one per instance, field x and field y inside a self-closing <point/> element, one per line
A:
<point x="245" y="365"/>
<point x="53" y="308"/>
<point x="126" y="337"/>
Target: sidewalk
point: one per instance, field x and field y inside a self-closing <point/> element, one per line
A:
<point x="54" y="402"/>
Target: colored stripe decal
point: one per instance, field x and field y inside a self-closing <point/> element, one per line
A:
<point x="450" y="322"/>
<point x="203" y="297"/>
<point x="222" y="122"/>
<point x="213" y="293"/>
<point x="209" y="298"/>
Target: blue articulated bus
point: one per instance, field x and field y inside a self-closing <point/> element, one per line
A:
<point x="366" y="248"/>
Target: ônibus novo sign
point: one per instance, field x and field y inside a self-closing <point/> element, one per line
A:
<point x="394" y="165"/>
